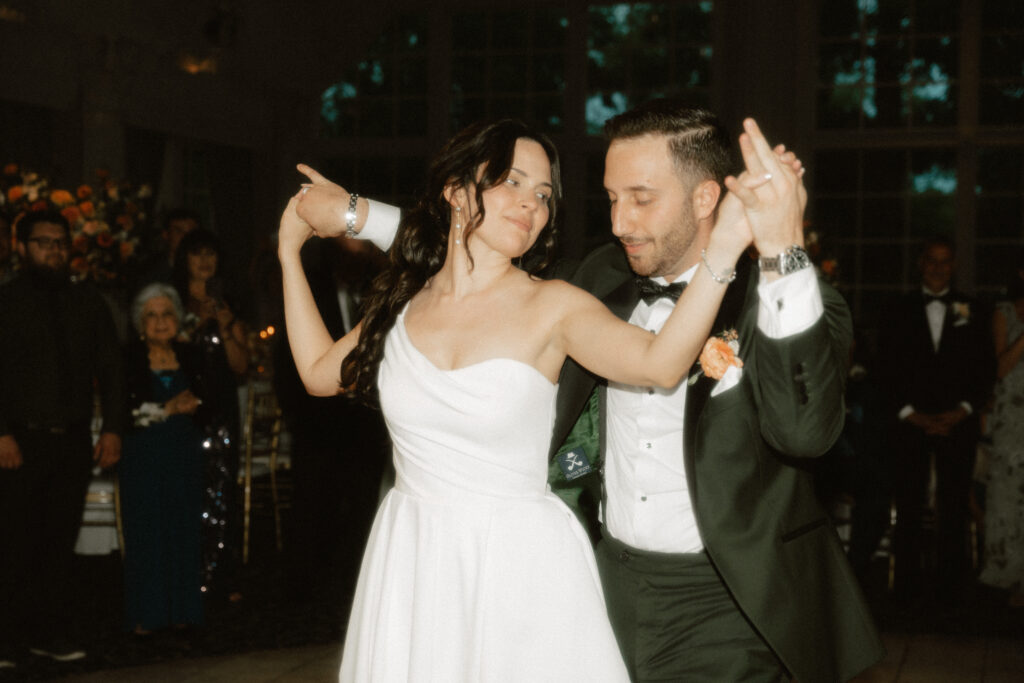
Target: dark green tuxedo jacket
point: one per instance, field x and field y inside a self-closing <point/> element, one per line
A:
<point x="745" y="452"/>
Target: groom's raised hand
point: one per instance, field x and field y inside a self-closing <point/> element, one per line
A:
<point x="774" y="208"/>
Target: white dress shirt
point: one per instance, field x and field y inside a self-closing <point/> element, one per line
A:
<point x="648" y="504"/>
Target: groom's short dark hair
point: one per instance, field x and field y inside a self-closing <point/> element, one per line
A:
<point x="700" y="145"/>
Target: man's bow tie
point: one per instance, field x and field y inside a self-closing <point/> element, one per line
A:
<point x="651" y="291"/>
<point x="929" y="298"/>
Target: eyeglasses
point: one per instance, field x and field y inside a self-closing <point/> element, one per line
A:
<point x="48" y="242"/>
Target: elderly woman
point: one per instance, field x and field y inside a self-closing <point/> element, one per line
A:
<point x="161" y="468"/>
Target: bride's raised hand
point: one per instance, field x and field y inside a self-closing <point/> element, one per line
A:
<point x="293" y="231"/>
<point x="323" y="204"/>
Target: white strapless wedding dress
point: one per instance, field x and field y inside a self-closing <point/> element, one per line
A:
<point x="474" y="571"/>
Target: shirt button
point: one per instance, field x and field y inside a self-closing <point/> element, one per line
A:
<point x="643" y="498"/>
<point x="650" y="390"/>
<point x="624" y="556"/>
<point x="647" y="445"/>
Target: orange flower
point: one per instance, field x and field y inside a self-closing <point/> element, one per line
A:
<point x="125" y="222"/>
<point x="80" y="244"/>
<point x="87" y="209"/>
<point x="718" y="354"/>
<point x="15" y="193"/>
<point x="127" y="249"/>
<point x="61" y="197"/>
<point x="72" y="214"/>
<point x="40" y="205"/>
<point x="79" y="266"/>
<point x="83" y="191"/>
<point x="104" y="239"/>
<point x="10" y="169"/>
<point x="829" y="267"/>
<point x="91" y="227"/>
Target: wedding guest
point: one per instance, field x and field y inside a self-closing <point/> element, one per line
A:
<point x="161" y="472"/>
<point x="58" y="347"/>
<point x="339" y="445"/>
<point x="708" y="524"/>
<point x="211" y="324"/>
<point x="938" y="375"/>
<point x="159" y="265"/>
<point x="1004" y="491"/>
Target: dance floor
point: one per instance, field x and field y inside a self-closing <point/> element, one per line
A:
<point x="279" y="633"/>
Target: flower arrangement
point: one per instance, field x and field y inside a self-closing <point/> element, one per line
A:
<point x="106" y="219"/>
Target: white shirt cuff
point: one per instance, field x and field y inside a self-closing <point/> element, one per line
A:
<point x="381" y="224"/>
<point x="790" y="304"/>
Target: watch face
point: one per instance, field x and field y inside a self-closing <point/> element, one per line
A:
<point x="793" y="259"/>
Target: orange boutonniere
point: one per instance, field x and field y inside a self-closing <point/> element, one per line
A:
<point x="718" y="355"/>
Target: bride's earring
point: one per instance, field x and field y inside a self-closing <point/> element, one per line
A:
<point x="458" y="225"/>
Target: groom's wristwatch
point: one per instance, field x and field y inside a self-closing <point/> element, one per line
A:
<point x="789" y="261"/>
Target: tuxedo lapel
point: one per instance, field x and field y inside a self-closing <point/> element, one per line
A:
<point x="697" y="394"/>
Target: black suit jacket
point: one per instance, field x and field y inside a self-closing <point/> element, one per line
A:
<point x="934" y="380"/>
<point x="746" y="453"/>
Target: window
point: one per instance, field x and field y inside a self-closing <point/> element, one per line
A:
<point x="509" y="63"/>
<point x="385" y="94"/>
<point x="638" y="51"/>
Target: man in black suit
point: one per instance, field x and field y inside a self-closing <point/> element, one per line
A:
<point x="939" y="371"/>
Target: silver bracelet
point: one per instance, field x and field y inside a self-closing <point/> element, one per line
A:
<point x="715" y="276"/>
<point x="350" y="216"/>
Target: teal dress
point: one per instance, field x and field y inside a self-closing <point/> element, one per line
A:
<point x="161" y="473"/>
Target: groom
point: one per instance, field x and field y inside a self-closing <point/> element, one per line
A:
<point x="716" y="560"/>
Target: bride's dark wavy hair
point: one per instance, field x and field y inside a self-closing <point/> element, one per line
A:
<point x="418" y="252"/>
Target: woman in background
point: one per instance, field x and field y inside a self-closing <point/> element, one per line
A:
<point x="1004" y="493"/>
<point x="210" y="323"/>
<point x="161" y="470"/>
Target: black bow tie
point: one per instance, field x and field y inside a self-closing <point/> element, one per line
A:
<point x="651" y="291"/>
<point x="929" y="298"/>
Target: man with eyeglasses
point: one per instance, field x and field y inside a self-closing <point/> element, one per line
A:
<point x="58" y="347"/>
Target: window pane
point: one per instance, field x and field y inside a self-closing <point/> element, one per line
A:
<point x="999" y="15"/>
<point x="1002" y="104"/>
<point x="549" y="112"/>
<point x="936" y="59"/>
<point x="888" y="60"/>
<point x="934" y="16"/>
<point x="882" y="264"/>
<point x="692" y="22"/>
<point x="995" y="263"/>
<point x="885" y="170"/>
<point x="887" y="16"/>
<point x="835" y="218"/>
<point x="999" y="217"/>
<point x="883" y="217"/>
<point x="1002" y="56"/>
<point x="510" y="30"/>
<point x="412" y="117"/>
<point x="469" y="31"/>
<point x="839" y="63"/>
<point x="839" y="107"/>
<point x="934" y="105"/>
<point x="835" y="171"/>
<point x="1000" y="169"/>
<point x="884" y="107"/>
<point x="838" y="18"/>
<point x="549" y="72"/>
<point x="549" y="27"/>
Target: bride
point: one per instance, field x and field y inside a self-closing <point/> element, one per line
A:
<point x="474" y="571"/>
